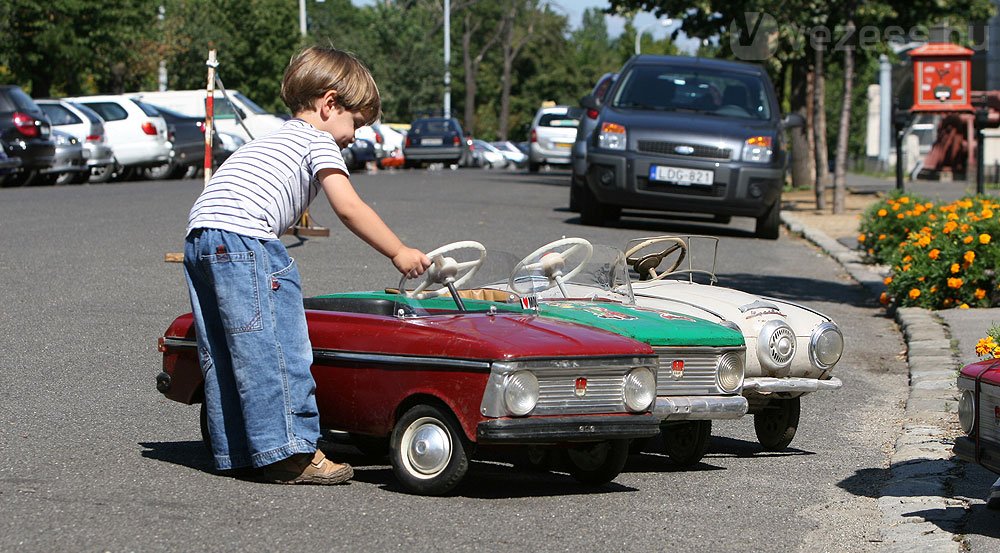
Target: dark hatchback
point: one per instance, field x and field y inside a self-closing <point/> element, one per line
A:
<point x="187" y="138"/>
<point x="687" y="135"/>
<point x="25" y="133"/>
<point x="435" y="140"/>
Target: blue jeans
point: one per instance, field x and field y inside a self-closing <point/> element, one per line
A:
<point x="253" y="346"/>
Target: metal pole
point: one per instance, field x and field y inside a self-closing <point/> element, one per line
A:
<point x="885" y="110"/>
<point x="302" y="17"/>
<point x="447" y="58"/>
<point x="982" y="117"/>
<point x="209" y="113"/>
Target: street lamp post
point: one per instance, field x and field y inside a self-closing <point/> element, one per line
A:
<point x="663" y="22"/>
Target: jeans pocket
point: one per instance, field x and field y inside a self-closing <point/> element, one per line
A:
<point x="237" y="290"/>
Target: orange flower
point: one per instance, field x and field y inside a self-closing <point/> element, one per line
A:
<point x="984" y="238"/>
<point x="900" y="216"/>
<point x="955" y="268"/>
<point x="980" y="293"/>
<point x="969" y="256"/>
<point x="906" y="267"/>
<point x="949" y="226"/>
<point x="987" y="213"/>
<point x="883" y="299"/>
<point x="882" y="213"/>
<point x="967" y="240"/>
<point x="934" y="254"/>
<point x="904" y="200"/>
<point x="954" y="283"/>
<point x="907" y="259"/>
<point x="914" y="293"/>
<point x="881" y="237"/>
<point x="887" y="280"/>
<point x="862" y="237"/>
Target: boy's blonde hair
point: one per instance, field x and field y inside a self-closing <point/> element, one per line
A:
<point x="316" y="70"/>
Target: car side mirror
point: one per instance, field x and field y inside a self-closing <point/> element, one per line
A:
<point x="590" y="102"/>
<point x="793" y="120"/>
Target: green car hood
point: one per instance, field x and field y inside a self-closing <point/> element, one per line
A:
<point x="653" y="326"/>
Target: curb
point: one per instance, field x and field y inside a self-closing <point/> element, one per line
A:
<point x="915" y="500"/>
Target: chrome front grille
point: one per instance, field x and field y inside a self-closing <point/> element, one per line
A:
<point x="557" y="391"/>
<point x="989" y="422"/>
<point x="670" y="148"/>
<point x="698" y="377"/>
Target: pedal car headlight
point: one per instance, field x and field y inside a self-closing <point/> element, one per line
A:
<point x="520" y="393"/>
<point x="826" y="345"/>
<point x="730" y="372"/>
<point x="775" y="345"/>
<point x="967" y="411"/>
<point x="640" y="389"/>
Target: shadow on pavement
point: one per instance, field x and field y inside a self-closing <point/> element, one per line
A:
<point x="662" y="224"/>
<point x="191" y="454"/>
<point x="866" y="482"/>
<point x="798" y="289"/>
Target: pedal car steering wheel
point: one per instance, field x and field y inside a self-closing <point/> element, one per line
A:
<point x="646" y="265"/>
<point x="446" y="270"/>
<point x="551" y="260"/>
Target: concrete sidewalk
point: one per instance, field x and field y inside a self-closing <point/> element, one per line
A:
<point x="921" y="511"/>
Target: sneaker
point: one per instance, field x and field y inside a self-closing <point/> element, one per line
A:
<point x="306" y="468"/>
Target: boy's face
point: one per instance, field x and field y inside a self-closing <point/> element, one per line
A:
<point x="342" y="124"/>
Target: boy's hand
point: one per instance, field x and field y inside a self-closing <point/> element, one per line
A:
<point x="411" y="262"/>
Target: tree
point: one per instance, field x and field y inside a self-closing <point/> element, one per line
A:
<point x="477" y="20"/>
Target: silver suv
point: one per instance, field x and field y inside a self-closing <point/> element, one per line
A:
<point x="553" y="131"/>
<point x="687" y="135"/>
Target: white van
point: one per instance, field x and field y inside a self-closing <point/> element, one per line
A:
<point x="192" y="102"/>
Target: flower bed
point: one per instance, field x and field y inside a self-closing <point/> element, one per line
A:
<point x="942" y="256"/>
<point x="989" y="346"/>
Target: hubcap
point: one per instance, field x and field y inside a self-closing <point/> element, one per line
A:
<point x="427" y="446"/>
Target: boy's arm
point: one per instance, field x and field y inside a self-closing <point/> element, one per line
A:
<point x="362" y="220"/>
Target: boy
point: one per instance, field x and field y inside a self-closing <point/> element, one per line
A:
<point x="245" y="290"/>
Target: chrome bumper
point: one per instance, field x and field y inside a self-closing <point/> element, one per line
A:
<point x="767" y="384"/>
<point x="675" y="408"/>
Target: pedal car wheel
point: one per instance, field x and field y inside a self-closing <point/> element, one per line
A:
<point x="206" y="438"/>
<point x="686" y="442"/>
<point x="427" y="451"/>
<point x="599" y="462"/>
<point x="777" y="423"/>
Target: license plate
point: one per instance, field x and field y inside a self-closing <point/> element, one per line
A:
<point x="680" y="175"/>
<point x="564" y="145"/>
<point x="431" y="142"/>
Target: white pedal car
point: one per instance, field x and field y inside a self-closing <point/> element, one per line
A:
<point x="791" y="349"/>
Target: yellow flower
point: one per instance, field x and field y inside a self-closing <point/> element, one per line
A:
<point x="934" y="254"/>
<point x="954" y="282"/>
<point x="967" y="240"/>
<point x="924" y="241"/>
<point x="955" y="268"/>
<point x="914" y="293"/>
<point x="882" y="213"/>
<point x="980" y="293"/>
<point x="987" y="213"/>
<point x="969" y="256"/>
<point x="984" y="238"/>
<point x="986" y="346"/>
<point x="963" y="306"/>
<point x="952" y="217"/>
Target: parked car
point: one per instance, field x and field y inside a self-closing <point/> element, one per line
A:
<point x="359" y="153"/>
<point x="69" y="166"/>
<point x="435" y="140"/>
<point x="487" y="155"/>
<point x="26" y="134"/>
<point x="792" y="350"/>
<point x="588" y="122"/>
<point x="88" y="128"/>
<point x="8" y="165"/>
<point x="433" y="379"/>
<point x="136" y="132"/>
<point x="552" y="133"/>
<point x="228" y="110"/>
<point x="701" y="369"/>
<point x="979" y="418"/>
<point x="687" y="135"/>
<point x="187" y="146"/>
<point x="513" y="154"/>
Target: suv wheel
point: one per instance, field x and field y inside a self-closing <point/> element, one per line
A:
<point x="767" y="224"/>
<point x="533" y="167"/>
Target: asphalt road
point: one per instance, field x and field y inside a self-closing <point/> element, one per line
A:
<point x="92" y="458"/>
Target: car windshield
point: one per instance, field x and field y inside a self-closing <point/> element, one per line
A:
<point x="676" y="257"/>
<point x="569" y="119"/>
<point x="698" y="89"/>
<point x="603" y="273"/>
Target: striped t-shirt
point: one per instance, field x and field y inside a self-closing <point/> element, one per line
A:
<point x="264" y="187"/>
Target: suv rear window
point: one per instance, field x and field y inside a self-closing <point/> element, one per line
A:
<point x="15" y="99"/>
<point x="146" y="108"/>
<point x="693" y="89"/>
<point x="109" y="111"/>
<point x="432" y="126"/>
<point x="58" y="115"/>
<point x="559" y="120"/>
<point x="89" y="113"/>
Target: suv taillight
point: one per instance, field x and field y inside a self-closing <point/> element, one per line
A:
<point x="149" y="128"/>
<point x="25" y="124"/>
<point x="592" y="113"/>
<point x="455" y="141"/>
<point x="534" y="135"/>
<point x="406" y="142"/>
<point x="378" y="137"/>
<point x="201" y="126"/>
<point x="96" y="138"/>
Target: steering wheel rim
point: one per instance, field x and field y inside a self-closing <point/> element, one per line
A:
<point x="648" y="263"/>
<point x="553" y="265"/>
<point x="446" y="269"/>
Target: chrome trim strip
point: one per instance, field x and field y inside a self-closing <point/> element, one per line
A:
<point x="179" y="343"/>
<point x="767" y="384"/>
<point x="682" y="302"/>
<point x="333" y="355"/>
<point x="700" y="407"/>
